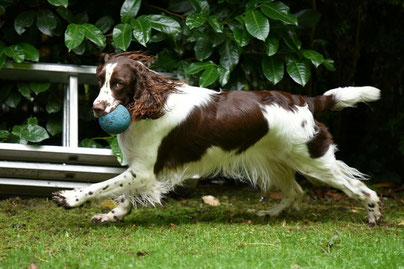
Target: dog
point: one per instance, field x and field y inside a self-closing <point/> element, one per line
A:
<point x="178" y="131"/>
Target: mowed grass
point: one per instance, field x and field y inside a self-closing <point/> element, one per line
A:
<point x="185" y="233"/>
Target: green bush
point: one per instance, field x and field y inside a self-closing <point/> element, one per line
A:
<point x="209" y="44"/>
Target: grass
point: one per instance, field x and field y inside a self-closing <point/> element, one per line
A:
<point x="185" y="233"/>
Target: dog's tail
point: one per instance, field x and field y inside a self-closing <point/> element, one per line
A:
<point x="340" y="98"/>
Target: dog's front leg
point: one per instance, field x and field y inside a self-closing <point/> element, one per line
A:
<point x="111" y="188"/>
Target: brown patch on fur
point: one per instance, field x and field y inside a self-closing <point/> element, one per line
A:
<point x="320" y="143"/>
<point x="289" y="101"/>
<point x="231" y="121"/>
<point x="141" y="90"/>
<point x="320" y="103"/>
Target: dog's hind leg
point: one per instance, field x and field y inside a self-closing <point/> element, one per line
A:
<point x="291" y="191"/>
<point x="117" y="214"/>
<point x="326" y="169"/>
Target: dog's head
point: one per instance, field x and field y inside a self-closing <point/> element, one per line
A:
<point x="124" y="78"/>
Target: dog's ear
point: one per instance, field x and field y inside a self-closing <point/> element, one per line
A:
<point x="103" y="58"/>
<point x="150" y="92"/>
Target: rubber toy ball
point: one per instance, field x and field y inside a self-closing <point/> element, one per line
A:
<point x="115" y="122"/>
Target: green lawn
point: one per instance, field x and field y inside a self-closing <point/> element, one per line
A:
<point x="185" y="233"/>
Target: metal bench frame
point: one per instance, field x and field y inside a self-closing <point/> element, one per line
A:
<point x="39" y="170"/>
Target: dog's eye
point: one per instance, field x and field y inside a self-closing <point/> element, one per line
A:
<point x="119" y="85"/>
<point x="100" y="82"/>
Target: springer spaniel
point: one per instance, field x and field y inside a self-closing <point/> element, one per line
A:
<point x="178" y="132"/>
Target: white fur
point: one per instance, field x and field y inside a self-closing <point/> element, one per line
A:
<point x="105" y="96"/>
<point x="350" y="96"/>
<point x="270" y="163"/>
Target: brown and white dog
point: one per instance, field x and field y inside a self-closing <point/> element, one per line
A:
<point x="178" y="132"/>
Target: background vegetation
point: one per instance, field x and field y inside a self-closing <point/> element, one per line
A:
<point x="303" y="47"/>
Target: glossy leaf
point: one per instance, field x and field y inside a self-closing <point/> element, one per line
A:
<point x="46" y="21"/>
<point x="94" y="34"/>
<point x="195" y="20"/>
<point x="229" y="56"/>
<point x="53" y="106"/>
<point x="32" y="120"/>
<point x="13" y="99"/>
<point x="25" y="91"/>
<point x="200" y="6"/>
<point x="104" y="23"/>
<point x="272" y="45"/>
<point x="74" y="35"/>
<point x="298" y="70"/>
<point x="273" y="69"/>
<point x="129" y="10"/>
<point x="38" y="87"/>
<point x="279" y="11"/>
<point x="203" y="49"/>
<point x="80" y="49"/>
<point x="216" y="38"/>
<point x="122" y="36"/>
<point x="30" y="52"/>
<point x="240" y="34"/>
<point x="33" y="133"/>
<point x="209" y="76"/>
<point x="315" y="57"/>
<point x="329" y="64"/>
<point x="165" y="24"/>
<point x="197" y="67"/>
<point x="15" y="52"/>
<point x="54" y="125"/>
<point x="224" y="75"/>
<point x="142" y="30"/>
<point x="63" y="3"/>
<point x="216" y="24"/>
<point x="256" y="24"/>
<point x="291" y="40"/>
<point x="23" y="21"/>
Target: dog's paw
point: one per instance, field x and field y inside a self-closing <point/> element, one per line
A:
<point x="375" y="213"/>
<point x="60" y="199"/>
<point x="101" y="219"/>
<point x="68" y="199"/>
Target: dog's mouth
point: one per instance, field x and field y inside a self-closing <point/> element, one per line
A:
<point x="100" y="112"/>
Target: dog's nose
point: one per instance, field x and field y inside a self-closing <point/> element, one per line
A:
<point x="99" y="109"/>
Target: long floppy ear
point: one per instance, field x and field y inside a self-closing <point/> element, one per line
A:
<point x="151" y="91"/>
<point x="140" y="56"/>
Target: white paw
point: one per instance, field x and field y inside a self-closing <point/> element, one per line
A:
<point x="69" y="199"/>
<point x="375" y="213"/>
<point x="104" y="218"/>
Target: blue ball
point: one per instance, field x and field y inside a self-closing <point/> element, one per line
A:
<point x="115" y="122"/>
